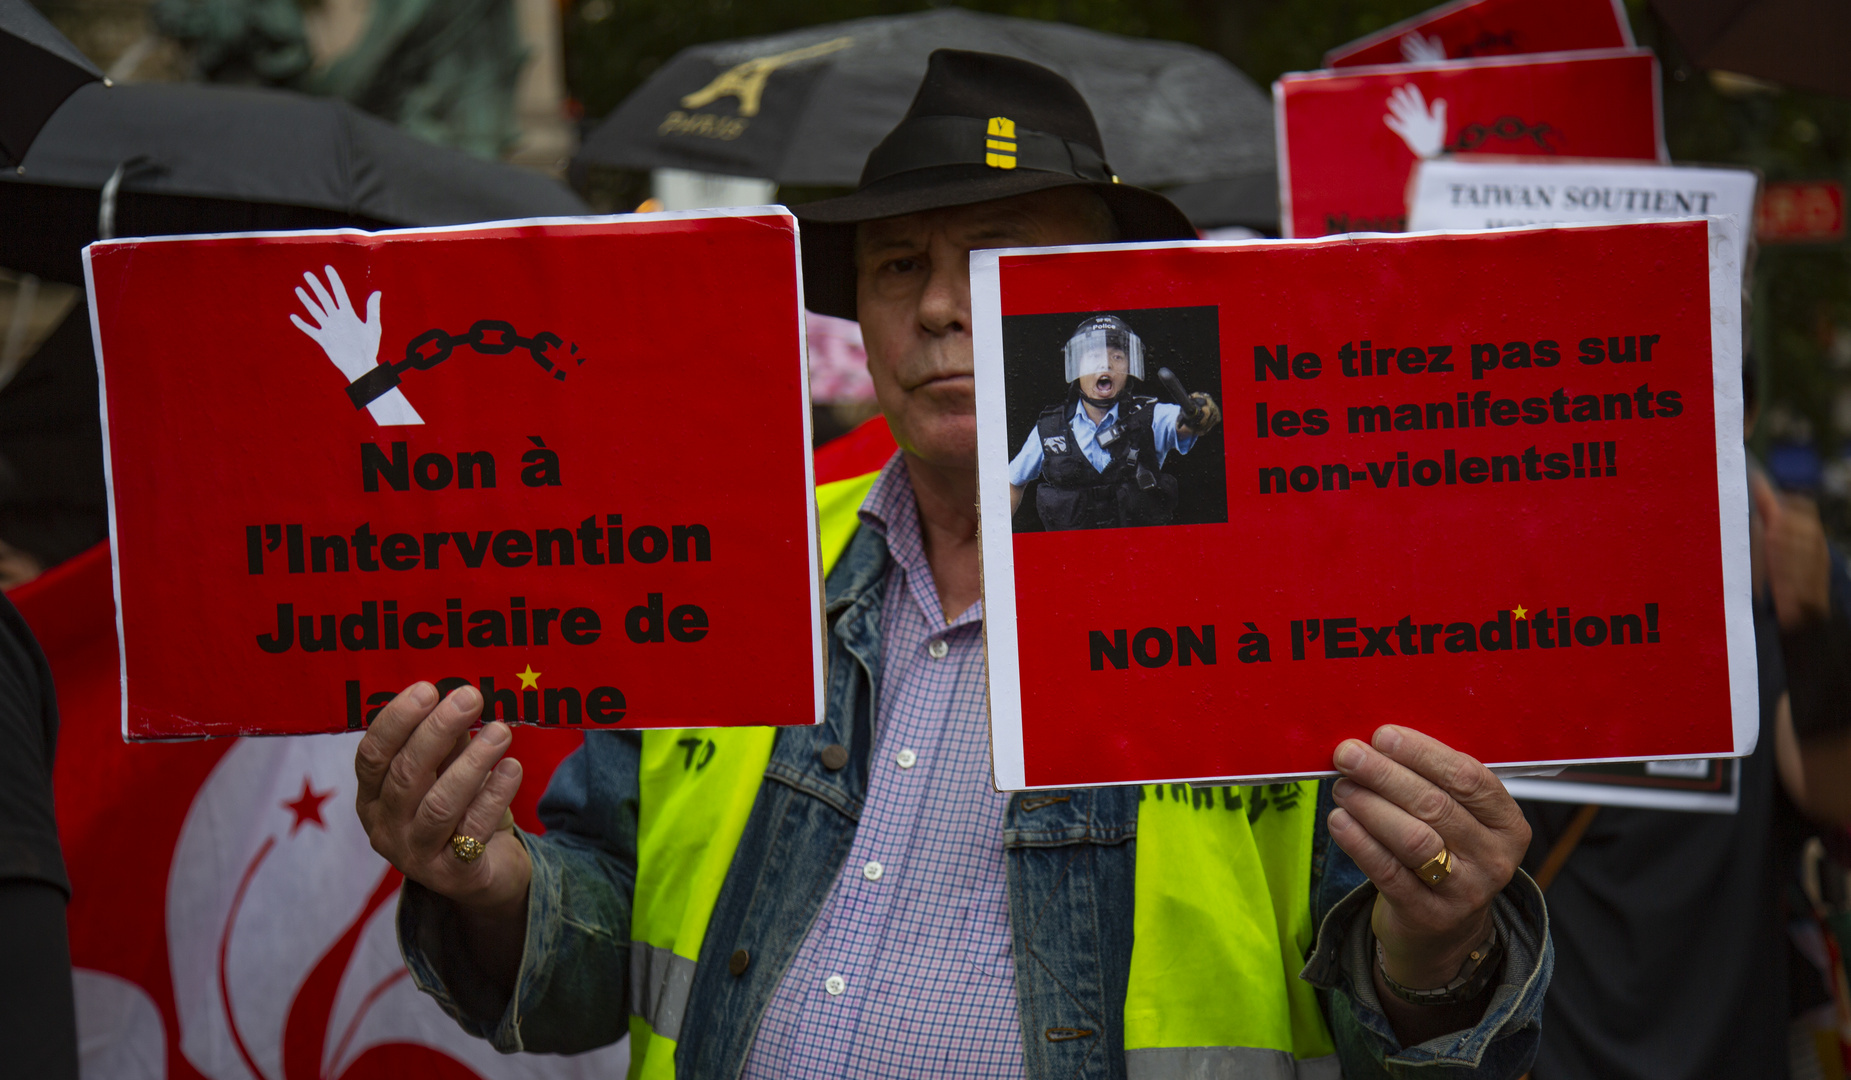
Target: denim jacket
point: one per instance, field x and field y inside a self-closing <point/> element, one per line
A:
<point x="1070" y="870"/>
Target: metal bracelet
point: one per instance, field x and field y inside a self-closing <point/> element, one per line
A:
<point x="1474" y="975"/>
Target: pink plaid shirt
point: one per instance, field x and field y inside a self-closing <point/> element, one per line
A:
<point x="907" y="970"/>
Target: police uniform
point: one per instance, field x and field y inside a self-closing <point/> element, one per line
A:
<point x="1105" y="474"/>
<point x="1130" y="490"/>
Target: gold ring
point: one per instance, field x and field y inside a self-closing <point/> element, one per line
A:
<point x="1437" y="869"/>
<point x="467" y="848"/>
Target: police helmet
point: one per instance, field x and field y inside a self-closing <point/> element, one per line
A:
<point x="1088" y="350"/>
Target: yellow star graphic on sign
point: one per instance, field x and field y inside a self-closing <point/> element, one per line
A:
<point x="530" y="679"/>
<point x="1520" y="612"/>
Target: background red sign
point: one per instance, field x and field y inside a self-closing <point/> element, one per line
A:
<point x="1800" y="212"/>
<point x="1379" y="563"/>
<point x="1348" y="141"/>
<point x="606" y="502"/>
<point x="1475" y="28"/>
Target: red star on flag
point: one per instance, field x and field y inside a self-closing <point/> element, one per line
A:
<point x="307" y="807"/>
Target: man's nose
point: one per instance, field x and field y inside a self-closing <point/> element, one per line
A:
<point x="944" y="306"/>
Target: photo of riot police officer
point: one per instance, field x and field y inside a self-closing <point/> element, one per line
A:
<point x="1114" y="415"/>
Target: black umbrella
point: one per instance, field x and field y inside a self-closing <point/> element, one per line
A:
<point x="1795" y="42"/>
<point x="151" y="159"/>
<point x="38" y="70"/>
<point x="804" y="108"/>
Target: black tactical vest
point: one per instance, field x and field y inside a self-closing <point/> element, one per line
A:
<point x="1131" y="490"/>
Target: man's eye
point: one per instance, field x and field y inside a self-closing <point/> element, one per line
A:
<point x="902" y="266"/>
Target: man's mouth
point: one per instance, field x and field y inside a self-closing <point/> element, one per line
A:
<point x="1102" y="386"/>
<point x="942" y="381"/>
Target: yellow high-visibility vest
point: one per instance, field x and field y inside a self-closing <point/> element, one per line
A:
<point x="1223" y="898"/>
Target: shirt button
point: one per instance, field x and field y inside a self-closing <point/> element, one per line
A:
<point x="938" y="649"/>
<point x="872" y="871"/>
<point x="906" y="759"/>
<point x="835" y="984"/>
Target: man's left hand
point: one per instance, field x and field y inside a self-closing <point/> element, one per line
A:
<point x="1208" y="414"/>
<point x="1799" y="564"/>
<point x="1399" y="802"/>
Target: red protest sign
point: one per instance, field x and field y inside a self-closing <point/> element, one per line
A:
<point x="565" y="462"/>
<point x="1801" y="212"/>
<point x="1468" y="29"/>
<point x="1349" y="140"/>
<point x="1485" y="485"/>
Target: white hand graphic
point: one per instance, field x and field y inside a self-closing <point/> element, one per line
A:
<point x="1423" y="131"/>
<point x="1418" y="48"/>
<point x="351" y="342"/>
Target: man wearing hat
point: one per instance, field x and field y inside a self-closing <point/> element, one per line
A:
<point x="854" y="899"/>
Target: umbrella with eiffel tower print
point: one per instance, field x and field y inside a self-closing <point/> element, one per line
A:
<point x="803" y="108"/>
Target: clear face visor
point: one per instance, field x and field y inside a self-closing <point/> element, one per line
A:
<point x="1091" y="352"/>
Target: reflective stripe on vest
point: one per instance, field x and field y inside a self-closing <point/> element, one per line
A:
<point x="1222" y="924"/>
<point x="659" y="985"/>
<point x="695" y="790"/>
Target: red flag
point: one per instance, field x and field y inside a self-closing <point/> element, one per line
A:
<point x="228" y="919"/>
<point x="861" y="451"/>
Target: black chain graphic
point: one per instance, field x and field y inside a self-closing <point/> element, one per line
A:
<point x="1506" y="127"/>
<point x="434" y="346"/>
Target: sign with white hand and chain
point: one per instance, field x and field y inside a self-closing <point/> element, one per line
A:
<point x="486" y="521"/>
<point x="1349" y="139"/>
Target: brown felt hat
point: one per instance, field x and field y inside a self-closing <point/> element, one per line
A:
<point x="981" y="127"/>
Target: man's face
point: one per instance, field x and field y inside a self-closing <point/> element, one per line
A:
<point x="1106" y="385"/>
<point x="913" y="297"/>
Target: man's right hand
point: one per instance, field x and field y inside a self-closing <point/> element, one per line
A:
<point x="424" y="780"/>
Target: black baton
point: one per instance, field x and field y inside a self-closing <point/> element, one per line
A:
<point x="1192" y="411"/>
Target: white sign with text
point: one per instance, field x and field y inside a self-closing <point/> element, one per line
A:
<point x="1446" y="194"/>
